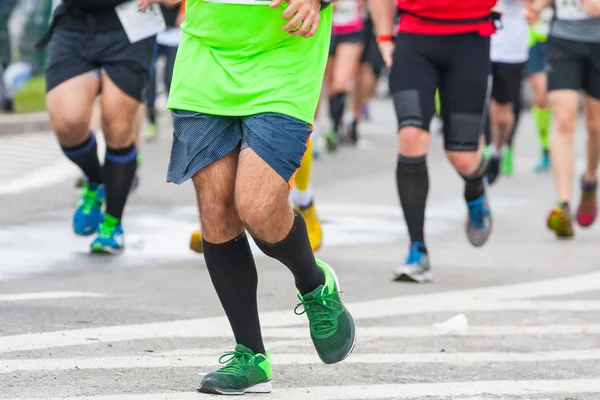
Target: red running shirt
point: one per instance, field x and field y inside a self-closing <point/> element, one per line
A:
<point x="446" y="10"/>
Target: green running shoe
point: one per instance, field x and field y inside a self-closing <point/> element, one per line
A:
<point x="331" y="141"/>
<point x="244" y="372"/>
<point x="332" y="328"/>
<point x="506" y="166"/>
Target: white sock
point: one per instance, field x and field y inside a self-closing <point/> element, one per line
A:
<point x="302" y="198"/>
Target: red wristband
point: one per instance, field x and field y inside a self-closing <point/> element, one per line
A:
<point x="384" y="38"/>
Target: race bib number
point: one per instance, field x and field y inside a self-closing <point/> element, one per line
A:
<point x="346" y="12"/>
<point x="140" y="25"/>
<point x="570" y="10"/>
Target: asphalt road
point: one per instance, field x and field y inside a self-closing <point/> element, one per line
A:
<point x="144" y="324"/>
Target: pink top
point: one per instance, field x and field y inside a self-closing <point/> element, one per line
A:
<point x="347" y="17"/>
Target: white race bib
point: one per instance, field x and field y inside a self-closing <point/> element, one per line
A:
<point x="346" y="12"/>
<point x="139" y="24"/>
<point x="570" y="10"/>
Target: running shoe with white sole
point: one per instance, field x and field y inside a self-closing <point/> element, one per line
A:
<point x="416" y="266"/>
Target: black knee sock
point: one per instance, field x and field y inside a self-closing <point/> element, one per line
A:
<point x="296" y="253"/>
<point x="233" y="274"/>
<point x="412" y="181"/>
<point x="474" y="182"/>
<point x="119" y="169"/>
<point x="85" y="156"/>
<point x="337" y="104"/>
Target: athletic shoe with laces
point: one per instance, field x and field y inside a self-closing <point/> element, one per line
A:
<point x="110" y="238"/>
<point x="588" y="206"/>
<point x="332" y="328"/>
<point x="559" y="221"/>
<point x="416" y="266"/>
<point x="88" y="214"/>
<point x="479" y="221"/>
<point x="244" y="372"/>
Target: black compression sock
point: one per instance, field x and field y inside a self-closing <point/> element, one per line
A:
<point x="474" y="187"/>
<point x="85" y="156"/>
<point x="337" y="104"/>
<point x="296" y="253"/>
<point x="119" y="170"/>
<point x="233" y="273"/>
<point x="412" y="180"/>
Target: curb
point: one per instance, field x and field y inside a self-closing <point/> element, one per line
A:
<point x="11" y="124"/>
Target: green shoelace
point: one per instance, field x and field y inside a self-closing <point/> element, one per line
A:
<point x="320" y="313"/>
<point x="237" y="362"/>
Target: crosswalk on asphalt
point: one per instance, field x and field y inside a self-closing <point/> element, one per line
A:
<point x="538" y="357"/>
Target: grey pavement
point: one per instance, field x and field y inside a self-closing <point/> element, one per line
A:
<point x="144" y="324"/>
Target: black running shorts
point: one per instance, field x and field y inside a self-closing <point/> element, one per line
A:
<point x="371" y="54"/>
<point x="459" y="66"/>
<point x="507" y="79"/>
<point x="72" y="53"/>
<point x="356" y="38"/>
<point x="573" y="65"/>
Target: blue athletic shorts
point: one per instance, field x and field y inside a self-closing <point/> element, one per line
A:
<point x="201" y="139"/>
<point x="537" y="58"/>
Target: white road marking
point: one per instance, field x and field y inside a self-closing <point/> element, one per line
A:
<point x="169" y="361"/>
<point x="47" y="296"/>
<point x="451" y="390"/>
<point x="57" y="246"/>
<point x="42" y="177"/>
<point x="479" y="299"/>
<point x="34" y="160"/>
<point x="377" y="332"/>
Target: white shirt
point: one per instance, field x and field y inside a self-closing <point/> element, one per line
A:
<point x="171" y="37"/>
<point x="511" y="43"/>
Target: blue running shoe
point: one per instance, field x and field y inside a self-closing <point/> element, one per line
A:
<point x="110" y="238"/>
<point x="88" y="214"/>
<point x="479" y="221"/>
<point x="416" y="267"/>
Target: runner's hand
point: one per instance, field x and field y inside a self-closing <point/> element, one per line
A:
<point x="305" y="16"/>
<point x="387" y="52"/>
<point x="531" y="13"/>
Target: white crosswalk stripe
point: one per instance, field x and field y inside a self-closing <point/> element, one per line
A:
<point x="377" y="369"/>
<point x="34" y="160"/>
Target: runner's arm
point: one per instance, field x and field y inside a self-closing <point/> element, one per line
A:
<point x="382" y="12"/>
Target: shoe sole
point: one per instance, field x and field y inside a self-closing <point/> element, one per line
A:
<point x="339" y="288"/>
<point x="264" y="387"/>
<point x="106" y="250"/>
<point x="425" y="277"/>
